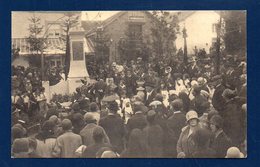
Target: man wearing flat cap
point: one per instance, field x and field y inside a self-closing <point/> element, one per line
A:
<point x="68" y="142"/>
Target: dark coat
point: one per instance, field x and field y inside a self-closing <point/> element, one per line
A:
<point x="220" y="143"/>
<point x="150" y="98"/>
<point x="114" y="127"/>
<point x="130" y="83"/>
<point x="217" y="99"/>
<point x="138" y="120"/>
<point x="92" y="150"/>
<point x="233" y="121"/>
<point x="204" y="153"/>
<point x="174" y="126"/>
<point x="154" y="139"/>
<point x="198" y="104"/>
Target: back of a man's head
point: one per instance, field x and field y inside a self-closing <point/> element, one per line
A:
<point x="177" y="105"/>
<point x="98" y="135"/>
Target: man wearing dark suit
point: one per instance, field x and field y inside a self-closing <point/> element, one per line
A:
<point x="138" y="120"/>
<point x="150" y="92"/>
<point x="114" y="127"/>
<point x="174" y="126"/>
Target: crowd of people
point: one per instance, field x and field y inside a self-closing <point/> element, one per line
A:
<point x="135" y="110"/>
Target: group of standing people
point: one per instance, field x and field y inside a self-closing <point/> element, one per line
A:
<point x="144" y="111"/>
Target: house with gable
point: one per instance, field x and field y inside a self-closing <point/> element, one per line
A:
<point x="138" y="23"/>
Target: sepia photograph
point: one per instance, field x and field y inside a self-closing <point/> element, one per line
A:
<point x="129" y="84"/>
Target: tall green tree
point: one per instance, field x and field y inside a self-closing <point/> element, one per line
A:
<point x="70" y="20"/>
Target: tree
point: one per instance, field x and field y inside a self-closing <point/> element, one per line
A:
<point x="235" y="32"/>
<point x="164" y="30"/>
<point x="36" y="40"/>
<point x="101" y="41"/>
<point x="133" y="45"/>
<point x="70" y="20"/>
<point x="15" y="53"/>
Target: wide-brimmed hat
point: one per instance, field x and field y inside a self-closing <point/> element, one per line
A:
<point x="191" y="115"/>
<point x="234" y="152"/>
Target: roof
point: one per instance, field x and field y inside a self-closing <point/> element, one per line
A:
<point x="89" y="25"/>
<point x="183" y="15"/>
<point x="54" y="46"/>
<point x="106" y="22"/>
<point x="110" y="20"/>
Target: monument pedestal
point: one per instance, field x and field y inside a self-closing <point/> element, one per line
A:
<point x="78" y="69"/>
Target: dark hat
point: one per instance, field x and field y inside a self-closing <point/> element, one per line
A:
<point x="54" y="119"/>
<point x="217" y="121"/>
<point x="66" y="124"/>
<point x="93" y="107"/>
<point x="228" y="93"/>
<point x="139" y="106"/>
<point x="159" y="97"/>
<point x="77" y="117"/>
<point x="196" y="89"/>
<point x="177" y="104"/>
<point x="75" y="106"/>
<point x="21" y="127"/>
<point x="20" y="145"/>
<point x="17" y="132"/>
<point x="113" y="106"/>
<point x="84" y="104"/>
<point x="151" y="113"/>
<point x="172" y="97"/>
<point x="48" y="126"/>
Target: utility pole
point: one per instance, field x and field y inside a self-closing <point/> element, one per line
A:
<point x="218" y="46"/>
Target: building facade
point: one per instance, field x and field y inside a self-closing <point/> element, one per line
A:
<point x="54" y="52"/>
<point x="201" y="27"/>
<point x="133" y="25"/>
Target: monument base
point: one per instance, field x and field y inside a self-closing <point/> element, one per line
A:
<point x="73" y="83"/>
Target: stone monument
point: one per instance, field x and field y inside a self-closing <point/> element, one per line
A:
<point x="78" y="69"/>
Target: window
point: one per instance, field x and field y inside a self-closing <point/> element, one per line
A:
<point x="54" y="30"/>
<point x="135" y="31"/>
<point x="56" y="62"/>
<point x="214" y="27"/>
<point x="214" y="41"/>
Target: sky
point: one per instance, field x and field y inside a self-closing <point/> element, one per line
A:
<point x="97" y="15"/>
